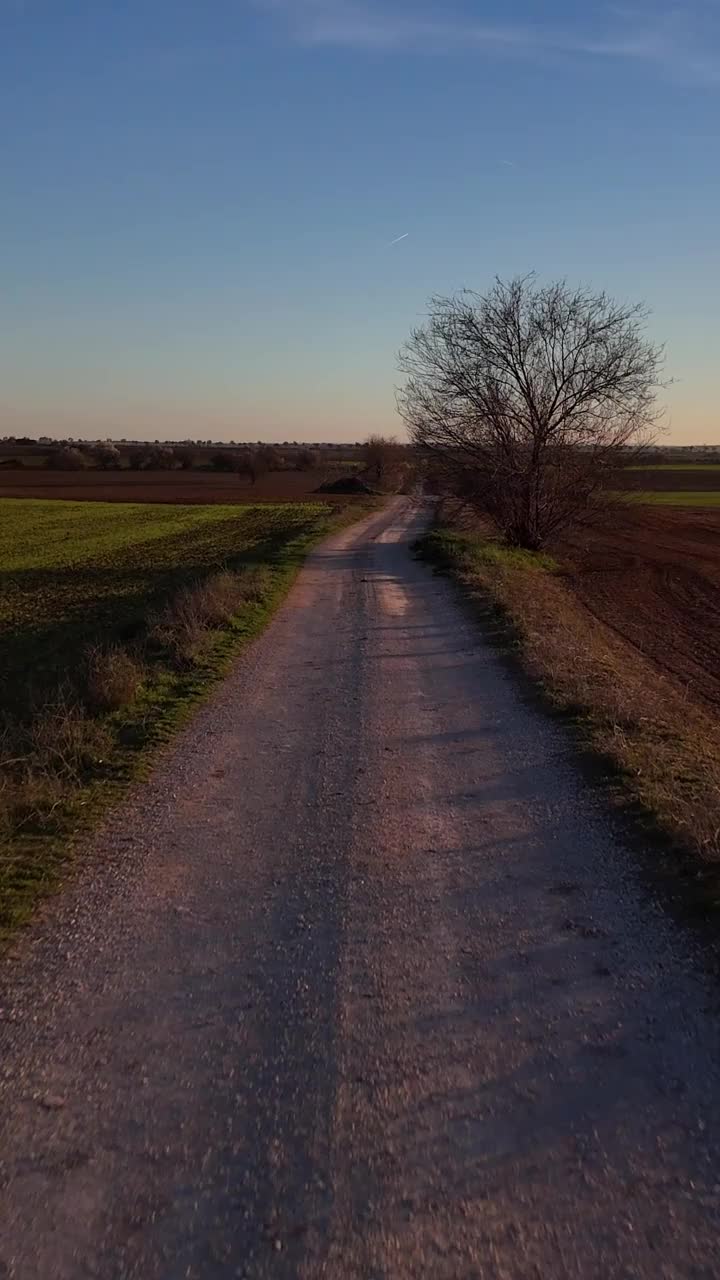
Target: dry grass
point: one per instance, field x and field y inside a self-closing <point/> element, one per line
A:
<point x="28" y="800"/>
<point x="114" y="678"/>
<point x="88" y="694"/>
<point x="43" y="761"/>
<point x="67" y="739"/>
<point x="667" y="747"/>
<point x="183" y="627"/>
<point x="66" y="742"/>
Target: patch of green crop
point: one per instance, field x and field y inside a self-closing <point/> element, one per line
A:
<point x="446" y="549"/>
<point x="679" y="466"/>
<point x="79" y="575"/>
<point x="677" y="498"/>
<point x="76" y="574"/>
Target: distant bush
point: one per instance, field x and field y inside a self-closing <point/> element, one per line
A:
<point x="106" y="456"/>
<point x="246" y="465"/>
<point x="222" y="462"/>
<point x="305" y="460"/>
<point x="161" y="458"/>
<point x="269" y="458"/>
<point x="184" y="457"/>
<point x="158" y="458"/>
<point x="67" y="458"/>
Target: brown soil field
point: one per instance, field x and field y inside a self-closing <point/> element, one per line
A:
<point x="653" y="575"/>
<point x="169" y="486"/>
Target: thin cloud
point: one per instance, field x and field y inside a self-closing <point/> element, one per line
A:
<point x="683" y="43"/>
<point x="398" y="239"/>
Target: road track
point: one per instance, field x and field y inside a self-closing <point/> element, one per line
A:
<point x="362" y="984"/>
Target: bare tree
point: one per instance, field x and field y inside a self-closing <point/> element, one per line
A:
<point x="305" y="460"/>
<point x="267" y="458"/>
<point x="529" y="397"/>
<point x="184" y="456"/>
<point x="380" y="455"/>
<point x="251" y="464"/>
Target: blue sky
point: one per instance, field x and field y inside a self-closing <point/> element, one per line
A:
<point x="198" y="197"/>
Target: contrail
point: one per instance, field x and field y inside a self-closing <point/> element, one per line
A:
<point x="392" y="242"/>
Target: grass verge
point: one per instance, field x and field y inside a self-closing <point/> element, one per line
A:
<point x="113" y="626"/>
<point x="664" y="749"/>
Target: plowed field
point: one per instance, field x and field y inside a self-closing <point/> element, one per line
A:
<point x="167" y="486"/>
<point x="654" y="576"/>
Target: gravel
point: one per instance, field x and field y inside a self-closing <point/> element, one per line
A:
<point x="362" y="983"/>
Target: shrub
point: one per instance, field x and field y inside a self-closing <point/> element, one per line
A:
<point x="181" y="629"/>
<point x="222" y="462"/>
<point x="66" y="458"/>
<point x="107" y="456"/>
<point x="184" y="457"/>
<point x="28" y="800"/>
<point x="178" y="630"/>
<point x="65" y="741"/>
<point x="160" y="459"/>
<point x="268" y="459"/>
<point x="113" y="678"/>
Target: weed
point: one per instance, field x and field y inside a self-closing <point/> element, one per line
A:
<point x="66" y="742"/>
<point x="113" y="678"/>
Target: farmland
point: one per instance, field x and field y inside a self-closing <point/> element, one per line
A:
<point x="178" y="487"/>
<point x="688" y="484"/>
<point x="113" y="620"/>
<point x="621" y="626"/>
<point x="653" y="576"/>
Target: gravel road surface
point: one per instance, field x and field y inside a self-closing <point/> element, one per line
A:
<point x="361" y="985"/>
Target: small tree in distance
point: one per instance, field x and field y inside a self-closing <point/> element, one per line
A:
<point x="529" y="397"/>
<point x="268" y="458"/>
<point x="305" y="460"/>
<point x="380" y="455"/>
<point x="251" y="464"/>
<point x="184" y="456"/>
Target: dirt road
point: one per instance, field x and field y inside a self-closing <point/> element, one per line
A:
<point x="361" y="986"/>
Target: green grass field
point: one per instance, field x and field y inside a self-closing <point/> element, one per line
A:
<point x="78" y="579"/>
<point x="75" y="574"/>
<point x="679" y="466"/>
<point x="678" y="498"/>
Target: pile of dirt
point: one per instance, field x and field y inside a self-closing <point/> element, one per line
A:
<point x="346" y="484"/>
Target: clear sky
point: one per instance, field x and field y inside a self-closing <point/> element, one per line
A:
<point x="198" y="197"/>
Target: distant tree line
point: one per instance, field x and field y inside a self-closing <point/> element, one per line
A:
<point x="106" y="456"/>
